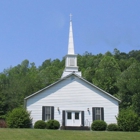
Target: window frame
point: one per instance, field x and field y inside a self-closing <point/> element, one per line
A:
<point x="45" y="113"/>
<point x="100" y="113"/>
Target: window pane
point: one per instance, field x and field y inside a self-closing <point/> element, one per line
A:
<point x="97" y="111"/>
<point x="48" y="113"/>
<point x="48" y="117"/>
<point x="76" y="115"/>
<point x="97" y="117"/>
<point x="47" y="110"/>
<point x="69" y="115"/>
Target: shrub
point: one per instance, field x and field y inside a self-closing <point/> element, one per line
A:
<point x="18" y="118"/>
<point x="112" y="127"/>
<point x="40" y="124"/>
<point x="98" y="125"/>
<point x="52" y="124"/>
<point x="128" y="120"/>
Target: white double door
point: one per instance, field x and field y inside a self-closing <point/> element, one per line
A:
<point x="73" y="118"/>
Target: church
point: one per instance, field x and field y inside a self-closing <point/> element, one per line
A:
<point x="72" y="100"/>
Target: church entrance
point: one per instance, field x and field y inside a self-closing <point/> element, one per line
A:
<point x="73" y="118"/>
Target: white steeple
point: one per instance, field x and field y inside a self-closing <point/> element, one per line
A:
<point x="71" y="57"/>
<point x="71" y="42"/>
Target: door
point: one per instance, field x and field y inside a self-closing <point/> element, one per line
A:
<point x="73" y="118"/>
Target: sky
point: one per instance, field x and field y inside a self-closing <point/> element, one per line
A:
<point x="38" y="30"/>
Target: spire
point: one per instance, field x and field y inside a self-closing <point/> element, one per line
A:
<point x="71" y="57"/>
<point x="71" y="42"/>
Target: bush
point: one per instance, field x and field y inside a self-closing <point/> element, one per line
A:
<point x="3" y="123"/>
<point x="128" y="120"/>
<point x="18" y="118"/>
<point x="98" y="125"/>
<point x="52" y="124"/>
<point x="112" y="127"/>
<point x="40" y="124"/>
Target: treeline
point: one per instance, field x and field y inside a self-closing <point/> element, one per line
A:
<point x="117" y="73"/>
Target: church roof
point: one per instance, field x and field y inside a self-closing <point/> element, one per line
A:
<point x="66" y="78"/>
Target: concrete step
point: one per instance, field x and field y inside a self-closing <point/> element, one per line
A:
<point x="75" y="128"/>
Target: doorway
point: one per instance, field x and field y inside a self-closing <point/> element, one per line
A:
<point x="73" y="118"/>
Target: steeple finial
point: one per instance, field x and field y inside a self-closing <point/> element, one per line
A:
<point x="71" y="42"/>
<point x="70" y="17"/>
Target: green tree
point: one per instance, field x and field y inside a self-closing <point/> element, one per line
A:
<point x="128" y="120"/>
<point x="45" y="64"/>
<point x="135" y="54"/>
<point x="106" y="75"/>
<point x="3" y="95"/>
<point x="129" y="89"/>
<point x="88" y="74"/>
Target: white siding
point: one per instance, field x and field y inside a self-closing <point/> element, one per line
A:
<point x="72" y="94"/>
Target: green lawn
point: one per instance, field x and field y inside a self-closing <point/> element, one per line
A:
<point x="38" y="134"/>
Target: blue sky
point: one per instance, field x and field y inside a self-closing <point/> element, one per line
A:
<point x="38" y="29"/>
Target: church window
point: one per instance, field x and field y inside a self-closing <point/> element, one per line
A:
<point x="98" y="113"/>
<point x="47" y="113"/>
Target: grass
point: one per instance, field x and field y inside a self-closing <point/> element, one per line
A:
<point x="42" y="134"/>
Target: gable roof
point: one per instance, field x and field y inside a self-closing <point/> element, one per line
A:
<point x="66" y="78"/>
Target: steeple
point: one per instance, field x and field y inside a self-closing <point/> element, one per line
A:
<point x="71" y="42"/>
<point x="71" y="57"/>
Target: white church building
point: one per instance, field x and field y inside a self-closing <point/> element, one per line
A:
<point x="72" y="100"/>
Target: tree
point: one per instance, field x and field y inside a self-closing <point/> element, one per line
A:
<point x="106" y="75"/>
<point x="3" y="87"/>
<point x="129" y="89"/>
<point x="88" y="74"/>
<point x="45" y="64"/>
<point x="128" y="120"/>
<point x="135" y="54"/>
